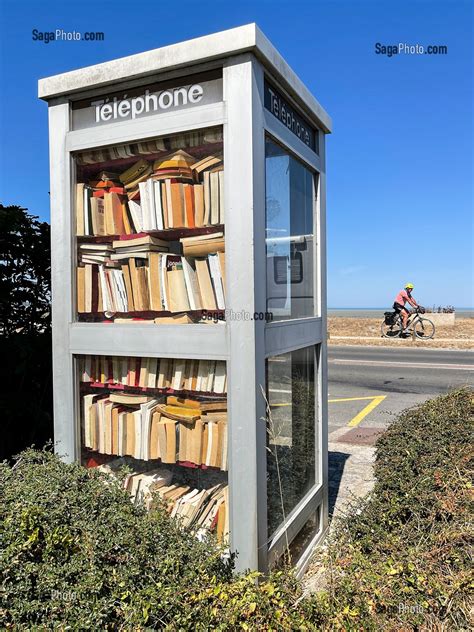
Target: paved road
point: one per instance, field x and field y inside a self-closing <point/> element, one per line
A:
<point x="405" y="377"/>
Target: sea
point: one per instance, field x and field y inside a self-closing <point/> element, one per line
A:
<point x="377" y="312"/>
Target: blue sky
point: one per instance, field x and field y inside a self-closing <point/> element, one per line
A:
<point x="399" y="160"/>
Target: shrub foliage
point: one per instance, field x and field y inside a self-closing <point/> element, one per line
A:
<point x="402" y="560"/>
<point x="76" y="554"/>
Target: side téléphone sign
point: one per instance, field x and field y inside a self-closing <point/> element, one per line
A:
<point x="286" y="114"/>
<point x="144" y="101"/>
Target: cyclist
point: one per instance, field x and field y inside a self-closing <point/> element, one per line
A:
<point x="404" y="296"/>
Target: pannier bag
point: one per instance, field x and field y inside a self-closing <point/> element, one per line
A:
<point x="390" y="318"/>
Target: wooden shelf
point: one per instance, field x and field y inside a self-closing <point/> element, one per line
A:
<point x="88" y="171"/>
<point x="170" y="234"/>
<point x="99" y="317"/>
<point x="98" y="458"/>
<point x="158" y="391"/>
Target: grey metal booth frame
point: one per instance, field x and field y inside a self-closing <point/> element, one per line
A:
<point x="246" y="57"/>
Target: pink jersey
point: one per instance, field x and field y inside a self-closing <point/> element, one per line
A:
<point x="402" y="297"/>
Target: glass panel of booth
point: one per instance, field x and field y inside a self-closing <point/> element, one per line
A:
<point x="149" y="225"/>
<point x="291" y="437"/>
<point x="162" y="422"/>
<point x="290" y="240"/>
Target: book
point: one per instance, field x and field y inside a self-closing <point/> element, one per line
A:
<point x="176" y="294"/>
<point x="198" y="191"/>
<point x="205" y="163"/>
<point x="176" y="159"/>
<point x="80" y="224"/>
<point x="214" y="197"/>
<point x="208" y="300"/>
<point x="133" y="172"/>
<point x="129" y="399"/>
<point x="142" y="240"/>
<point x="192" y="284"/>
<point x="215" y="271"/>
<point x="137" y="215"/>
<point x="189" y="206"/>
<point x="203" y="248"/>
<point x="158" y="205"/>
<point x="177" y="204"/>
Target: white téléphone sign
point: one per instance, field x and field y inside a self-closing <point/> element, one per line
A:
<point x="114" y="109"/>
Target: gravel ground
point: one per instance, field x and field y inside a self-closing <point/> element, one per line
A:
<point x="366" y="331"/>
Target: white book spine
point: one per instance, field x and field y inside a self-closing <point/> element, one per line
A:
<point x="163" y="293"/>
<point x="106" y="297"/>
<point x="158" y="204"/>
<point x="210" y="438"/>
<point x="169" y="203"/>
<point x="87" y="403"/>
<point x="122" y="290"/>
<point x="87" y="227"/>
<point x="137" y="416"/>
<point x="214" y="269"/>
<point x="144" y="206"/>
<point x="187" y="271"/>
<point x="150" y="197"/>
<point x="136" y="213"/>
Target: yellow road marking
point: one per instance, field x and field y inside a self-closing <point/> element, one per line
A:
<point x="355" y="421"/>
<point x="350" y="399"/>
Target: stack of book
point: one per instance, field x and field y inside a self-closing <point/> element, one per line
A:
<point x="174" y="191"/>
<point x="139" y="275"/>
<point x="200" y="376"/>
<point x="146" y="148"/>
<point x="180" y="431"/>
<point x="202" y="509"/>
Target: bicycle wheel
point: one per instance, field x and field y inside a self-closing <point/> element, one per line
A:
<point x="391" y="331"/>
<point x="424" y="328"/>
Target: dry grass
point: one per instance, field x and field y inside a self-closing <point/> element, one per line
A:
<point x="460" y="336"/>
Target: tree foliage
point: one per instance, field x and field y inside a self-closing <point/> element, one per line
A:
<point x="25" y="271"/>
<point x="25" y="331"/>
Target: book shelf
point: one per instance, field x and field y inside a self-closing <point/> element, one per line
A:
<point x="150" y="229"/>
<point x="188" y="188"/>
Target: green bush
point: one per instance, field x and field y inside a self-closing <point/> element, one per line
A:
<point x="76" y="552"/>
<point x="402" y="559"/>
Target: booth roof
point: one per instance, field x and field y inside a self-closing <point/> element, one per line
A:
<point x="248" y="38"/>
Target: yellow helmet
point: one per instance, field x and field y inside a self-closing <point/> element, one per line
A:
<point x="409" y="286"/>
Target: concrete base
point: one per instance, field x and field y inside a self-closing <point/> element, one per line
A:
<point x="444" y="320"/>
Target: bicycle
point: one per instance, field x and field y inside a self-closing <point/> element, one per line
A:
<point x="392" y="325"/>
